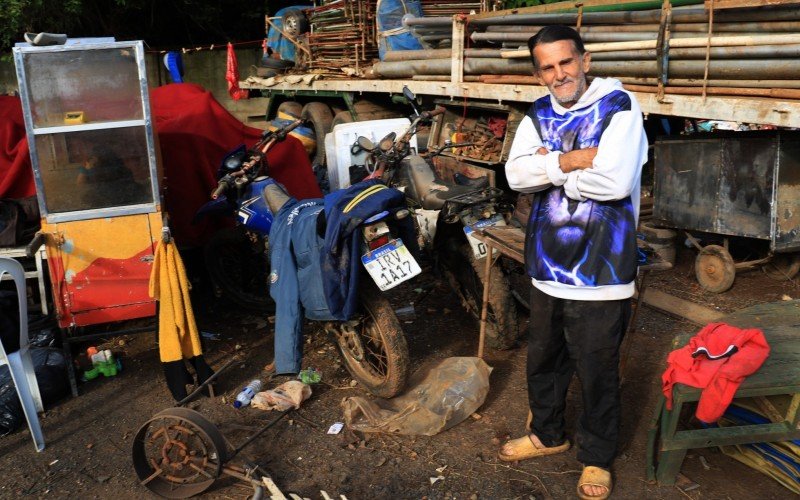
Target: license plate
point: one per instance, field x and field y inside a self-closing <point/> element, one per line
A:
<point x="390" y="264"/>
<point x="478" y="247"/>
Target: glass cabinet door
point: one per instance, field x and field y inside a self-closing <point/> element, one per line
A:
<point x="87" y="119"/>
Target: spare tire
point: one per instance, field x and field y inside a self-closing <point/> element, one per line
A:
<point x="271" y="62"/>
<point x="294" y="22"/>
<point x="320" y="118"/>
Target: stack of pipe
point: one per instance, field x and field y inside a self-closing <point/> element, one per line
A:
<point x="342" y="34"/>
<point x="431" y="8"/>
<point x="751" y="51"/>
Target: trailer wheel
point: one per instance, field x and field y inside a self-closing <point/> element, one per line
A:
<point x="321" y="118"/>
<point x="783" y="267"/>
<point x="715" y="269"/>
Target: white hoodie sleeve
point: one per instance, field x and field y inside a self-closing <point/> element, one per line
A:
<point x="528" y="171"/>
<point x="620" y="155"/>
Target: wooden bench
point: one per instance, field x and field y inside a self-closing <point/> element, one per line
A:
<point x="778" y="376"/>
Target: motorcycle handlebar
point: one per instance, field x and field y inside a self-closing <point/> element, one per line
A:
<point x="434" y="112"/>
<point x="223" y="184"/>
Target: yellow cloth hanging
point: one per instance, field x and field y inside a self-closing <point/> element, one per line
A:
<point x="177" y="331"/>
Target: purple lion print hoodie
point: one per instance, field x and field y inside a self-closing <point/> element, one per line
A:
<point x="580" y="242"/>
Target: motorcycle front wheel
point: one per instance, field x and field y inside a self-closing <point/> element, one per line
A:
<point x="374" y="347"/>
<point x="465" y="275"/>
<point x="238" y="263"/>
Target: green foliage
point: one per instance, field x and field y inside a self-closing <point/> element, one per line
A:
<point x="160" y="23"/>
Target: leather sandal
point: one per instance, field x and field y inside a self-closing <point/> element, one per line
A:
<point x="526" y="449"/>
<point x="594" y="476"/>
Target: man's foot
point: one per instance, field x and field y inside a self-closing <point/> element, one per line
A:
<point x="528" y="446"/>
<point x="594" y="484"/>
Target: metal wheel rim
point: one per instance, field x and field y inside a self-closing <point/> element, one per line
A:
<point x="191" y="451"/>
<point x="715" y="269"/>
<point x="364" y="344"/>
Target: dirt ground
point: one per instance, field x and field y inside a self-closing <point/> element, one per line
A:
<point x="89" y="438"/>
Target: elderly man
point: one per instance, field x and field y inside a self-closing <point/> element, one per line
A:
<point x="580" y="150"/>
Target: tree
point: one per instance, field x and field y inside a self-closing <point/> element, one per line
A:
<point x="160" y="23"/>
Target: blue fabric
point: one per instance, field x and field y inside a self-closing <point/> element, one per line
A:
<point x="579" y="243"/>
<point x="295" y="279"/>
<point x="341" y="254"/>
<point x="389" y="16"/>
<point x="174" y="63"/>
<point x="276" y="41"/>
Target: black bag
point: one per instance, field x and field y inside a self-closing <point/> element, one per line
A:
<point x="19" y="221"/>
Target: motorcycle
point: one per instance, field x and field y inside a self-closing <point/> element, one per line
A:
<point x="447" y="216"/>
<point x="372" y="342"/>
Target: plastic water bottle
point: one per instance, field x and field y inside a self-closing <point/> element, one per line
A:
<point x="247" y="394"/>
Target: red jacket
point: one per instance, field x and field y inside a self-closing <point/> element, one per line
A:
<point x="716" y="360"/>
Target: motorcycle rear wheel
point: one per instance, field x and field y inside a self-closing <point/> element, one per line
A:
<point x="374" y="348"/>
<point x="239" y="267"/>
<point x="465" y="275"/>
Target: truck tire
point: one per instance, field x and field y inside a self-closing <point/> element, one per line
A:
<point x="465" y="275"/>
<point x="341" y="117"/>
<point x="320" y="117"/>
<point x="292" y="108"/>
<point x="374" y="349"/>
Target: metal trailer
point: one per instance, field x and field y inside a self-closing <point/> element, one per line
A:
<point x="744" y="184"/>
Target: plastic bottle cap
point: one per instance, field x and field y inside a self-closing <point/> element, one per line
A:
<point x="237" y="404"/>
<point x="91" y="351"/>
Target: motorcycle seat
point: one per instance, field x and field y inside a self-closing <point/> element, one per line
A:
<point x="428" y="190"/>
<point x="275" y="196"/>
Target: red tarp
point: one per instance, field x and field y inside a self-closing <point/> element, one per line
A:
<point x="194" y="133"/>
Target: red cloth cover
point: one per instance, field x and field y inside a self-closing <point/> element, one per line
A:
<point x="719" y="378"/>
<point x="194" y="133"/>
<point x="16" y="175"/>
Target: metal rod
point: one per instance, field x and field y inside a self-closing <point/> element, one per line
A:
<point x="773" y="93"/>
<point x="409" y="55"/>
<point x="690" y="82"/>
<point x="257" y="434"/>
<point x="207" y="381"/>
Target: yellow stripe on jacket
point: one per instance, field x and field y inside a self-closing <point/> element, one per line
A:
<point x="362" y="195"/>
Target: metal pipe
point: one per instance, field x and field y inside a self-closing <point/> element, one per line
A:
<point x="697" y="15"/>
<point x="408" y="55"/>
<point x="767" y="26"/>
<point x="594" y="37"/>
<point x="474" y="66"/>
<point x="733" y="69"/>
<point x="738" y="52"/>
<point x="692" y="82"/>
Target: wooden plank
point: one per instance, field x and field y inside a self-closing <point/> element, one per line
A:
<point x="680" y="308"/>
<point x="508" y="240"/>
<point x="765" y="111"/>
<point x="457" y="57"/>
<point x="706" y="438"/>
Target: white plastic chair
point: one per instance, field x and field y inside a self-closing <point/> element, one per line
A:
<point x="20" y="363"/>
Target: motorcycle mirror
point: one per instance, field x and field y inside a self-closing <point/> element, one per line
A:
<point x="387" y="142"/>
<point x="408" y="94"/>
<point x="365" y="144"/>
